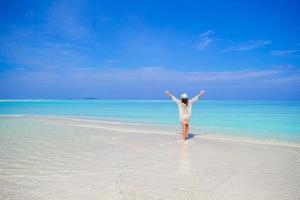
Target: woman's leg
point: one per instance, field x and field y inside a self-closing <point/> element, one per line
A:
<point x="183" y="130"/>
<point x="187" y="129"/>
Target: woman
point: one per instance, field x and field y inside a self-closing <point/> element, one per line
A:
<point x="185" y="110"/>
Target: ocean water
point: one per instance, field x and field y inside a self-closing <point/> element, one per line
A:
<point x="278" y="120"/>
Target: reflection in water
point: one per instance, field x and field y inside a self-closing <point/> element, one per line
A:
<point x="188" y="186"/>
<point x="184" y="166"/>
<point x="183" y="178"/>
<point x="184" y="162"/>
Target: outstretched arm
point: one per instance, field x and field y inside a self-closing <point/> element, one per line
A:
<point x="168" y="93"/>
<point x="196" y="98"/>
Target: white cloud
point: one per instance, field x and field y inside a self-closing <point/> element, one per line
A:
<point x="111" y="61"/>
<point x="253" y="44"/>
<point x="151" y="74"/>
<point x="205" y="40"/>
<point x="63" y="38"/>
<point x="147" y="82"/>
<point x="291" y="53"/>
<point x="68" y="21"/>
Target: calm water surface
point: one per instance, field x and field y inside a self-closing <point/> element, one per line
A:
<point x="262" y="119"/>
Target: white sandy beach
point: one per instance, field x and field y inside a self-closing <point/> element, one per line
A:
<point x="61" y="158"/>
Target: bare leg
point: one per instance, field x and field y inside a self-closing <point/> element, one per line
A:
<point x="187" y="129"/>
<point x="183" y="130"/>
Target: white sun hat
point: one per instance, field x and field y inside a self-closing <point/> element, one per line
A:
<point x="184" y="96"/>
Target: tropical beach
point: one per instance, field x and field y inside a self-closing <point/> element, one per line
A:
<point x="75" y="157"/>
<point x="149" y="100"/>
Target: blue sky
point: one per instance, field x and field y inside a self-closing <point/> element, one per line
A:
<point x="137" y="49"/>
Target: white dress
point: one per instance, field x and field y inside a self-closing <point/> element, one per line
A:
<point x="185" y="111"/>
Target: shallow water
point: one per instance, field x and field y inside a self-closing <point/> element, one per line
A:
<point x="59" y="158"/>
<point x="260" y="119"/>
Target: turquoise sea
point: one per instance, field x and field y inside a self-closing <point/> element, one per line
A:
<point x="259" y="119"/>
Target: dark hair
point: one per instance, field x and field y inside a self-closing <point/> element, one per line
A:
<point x="185" y="101"/>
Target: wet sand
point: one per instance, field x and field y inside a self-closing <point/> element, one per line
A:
<point x="63" y="158"/>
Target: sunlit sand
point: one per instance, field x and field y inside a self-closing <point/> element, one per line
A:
<point x="65" y="158"/>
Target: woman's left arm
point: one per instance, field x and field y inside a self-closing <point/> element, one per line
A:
<point x="196" y="98"/>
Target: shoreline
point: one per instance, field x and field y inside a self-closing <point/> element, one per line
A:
<point x="169" y="129"/>
<point x="271" y="120"/>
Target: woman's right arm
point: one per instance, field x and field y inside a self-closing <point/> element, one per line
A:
<point x="172" y="96"/>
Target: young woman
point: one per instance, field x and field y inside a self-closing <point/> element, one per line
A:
<point x="185" y="110"/>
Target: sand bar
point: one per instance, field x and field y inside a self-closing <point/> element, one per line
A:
<point x="65" y="158"/>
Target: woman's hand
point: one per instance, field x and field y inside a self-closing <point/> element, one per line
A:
<point x="201" y="93"/>
<point x="168" y="93"/>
